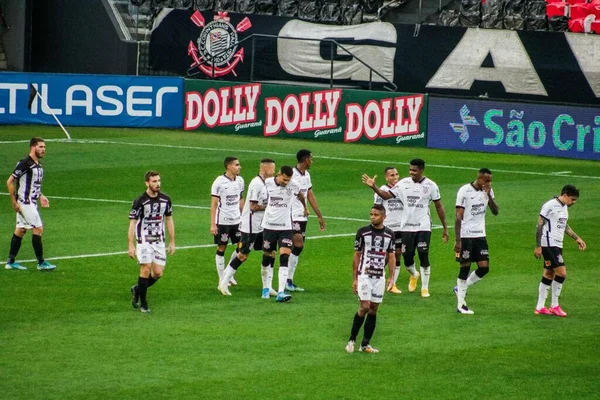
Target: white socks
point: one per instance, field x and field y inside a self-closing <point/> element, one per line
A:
<point x="556" y="289"/>
<point x="396" y="273"/>
<point x="542" y="295"/>
<point x="461" y="293"/>
<point x="283" y="276"/>
<point x="227" y="275"/>
<point x="292" y="264"/>
<point x="425" y="278"/>
<point x="220" y="261"/>
<point x="411" y="269"/>
<point x="472" y="279"/>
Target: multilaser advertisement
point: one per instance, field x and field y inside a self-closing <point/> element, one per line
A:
<point x="306" y="112"/>
<point x="514" y="128"/>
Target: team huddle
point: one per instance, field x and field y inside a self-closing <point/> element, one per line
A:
<point x="273" y="218"/>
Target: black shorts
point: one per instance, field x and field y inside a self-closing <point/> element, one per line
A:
<point x="299" y="227"/>
<point x="272" y="239"/>
<point x="552" y="257"/>
<point x="473" y="250"/>
<point x="415" y="241"/>
<point x="398" y="239"/>
<point x="227" y="232"/>
<point x="249" y="242"/>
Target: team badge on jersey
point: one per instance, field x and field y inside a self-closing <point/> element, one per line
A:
<point x="224" y="237"/>
<point x="267" y="245"/>
<point x="466" y="254"/>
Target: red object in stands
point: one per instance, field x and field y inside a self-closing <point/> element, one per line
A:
<point x="582" y="24"/>
<point x="571" y="2"/>
<point x="559" y="9"/>
<point x="581" y="10"/>
<point x="595" y="26"/>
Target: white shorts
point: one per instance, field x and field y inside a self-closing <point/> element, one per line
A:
<point x="371" y="289"/>
<point x="29" y="217"/>
<point x="151" y="253"/>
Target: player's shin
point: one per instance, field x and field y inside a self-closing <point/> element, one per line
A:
<point x="356" y="325"/>
<point x="557" y="285"/>
<point x="370" y="323"/>
<point x="143" y="290"/>
<point x="220" y="263"/>
<point x="15" y="246"/>
<point x="38" y="248"/>
<point x="477" y="275"/>
<point x="283" y="271"/>
<point x="425" y="271"/>
<point x="543" y="289"/>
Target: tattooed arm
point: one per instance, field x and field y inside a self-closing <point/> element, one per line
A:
<point x="574" y="236"/>
<point x="538" y="237"/>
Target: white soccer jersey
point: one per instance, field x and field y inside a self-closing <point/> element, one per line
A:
<point x="475" y="203"/>
<point x="28" y="176"/>
<point x="229" y="192"/>
<point x="393" y="210"/>
<point x="251" y="220"/>
<point x="305" y="184"/>
<point x="278" y="214"/>
<point x="556" y="215"/>
<point x="415" y="197"/>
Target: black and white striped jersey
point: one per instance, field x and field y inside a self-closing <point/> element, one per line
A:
<point x="150" y="213"/>
<point x="374" y="245"/>
<point x="28" y="177"/>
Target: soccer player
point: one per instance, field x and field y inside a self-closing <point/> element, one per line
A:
<point x="147" y="218"/>
<point x="373" y="247"/>
<point x="25" y="189"/>
<point x="416" y="193"/>
<point x="299" y="219"/>
<point x="251" y="229"/>
<point x="551" y="228"/>
<point x="277" y="224"/>
<point x="226" y="205"/>
<point x="470" y="245"/>
<point x="393" y="220"/>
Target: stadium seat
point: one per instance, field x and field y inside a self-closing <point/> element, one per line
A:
<point x="582" y="25"/>
<point x="571" y="2"/>
<point x="580" y="10"/>
<point x="595" y="27"/>
<point x="557" y="9"/>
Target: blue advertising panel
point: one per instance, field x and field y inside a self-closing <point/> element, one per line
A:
<point x="92" y="100"/>
<point x="515" y="128"/>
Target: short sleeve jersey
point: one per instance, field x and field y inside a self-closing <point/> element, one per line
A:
<point x="305" y="184"/>
<point x="374" y="246"/>
<point x="556" y="215"/>
<point x="150" y="213"/>
<point x="229" y="192"/>
<point x="278" y="214"/>
<point x="393" y="210"/>
<point x="251" y="220"/>
<point x="475" y="203"/>
<point x="415" y="197"/>
<point x="28" y="175"/>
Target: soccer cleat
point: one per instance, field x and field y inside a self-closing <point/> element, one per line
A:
<point x="15" y="266"/>
<point x="464" y="310"/>
<point x="425" y="293"/>
<point x="265" y="293"/>
<point x="46" y="266"/>
<point x="282" y="297"/>
<point x="224" y="290"/>
<point x="558" y="311"/>
<point x="368" y="349"/>
<point x="135" y="296"/>
<point x="543" y="311"/>
<point x="233" y="281"/>
<point x="272" y="292"/>
<point x="350" y="346"/>
<point x="292" y="287"/>
<point x="394" y="289"/>
<point x="412" y="282"/>
<point x="145" y="310"/>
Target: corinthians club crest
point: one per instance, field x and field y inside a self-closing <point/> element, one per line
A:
<point x="216" y="52"/>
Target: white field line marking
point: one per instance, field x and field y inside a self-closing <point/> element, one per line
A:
<point x="80" y="141"/>
<point x="174" y="205"/>
<point x="198" y="246"/>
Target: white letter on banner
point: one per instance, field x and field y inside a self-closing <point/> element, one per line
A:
<point x="110" y="100"/>
<point x="512" y="65"/>
<point x="86" y="102"/>
<point x="159" y="97"/>
<point x="303" y="58"/>
<point x="354" y="122"/>
<point x="193" y="111"/>
<point x="274" y="116"/>
<point x="131" y="101"/>
<point x="586" y="49"/>
<point x="12" y="95"/>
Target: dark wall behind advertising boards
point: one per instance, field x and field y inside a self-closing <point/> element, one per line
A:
<point x="514" y="128"/>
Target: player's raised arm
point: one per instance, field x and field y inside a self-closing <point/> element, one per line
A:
<point x="371" y="182"/>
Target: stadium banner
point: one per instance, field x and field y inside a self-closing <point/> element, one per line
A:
<point x="340" y="115"/>
<point x="92" y="100"/>
<point x="500" y="64"/>
<point x="514" y="128"/>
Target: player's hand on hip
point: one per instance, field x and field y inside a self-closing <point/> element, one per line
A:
<point x="368" y="180"/>
<point x="537" y="253"/>
<point x="44" y="201"/>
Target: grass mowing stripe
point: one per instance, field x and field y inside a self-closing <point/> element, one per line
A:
<point x="560" y="174"/>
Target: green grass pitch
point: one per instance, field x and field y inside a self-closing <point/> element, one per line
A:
<point x="72" y="334"/>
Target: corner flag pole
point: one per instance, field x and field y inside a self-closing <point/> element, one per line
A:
<point x="32" y="94"/>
